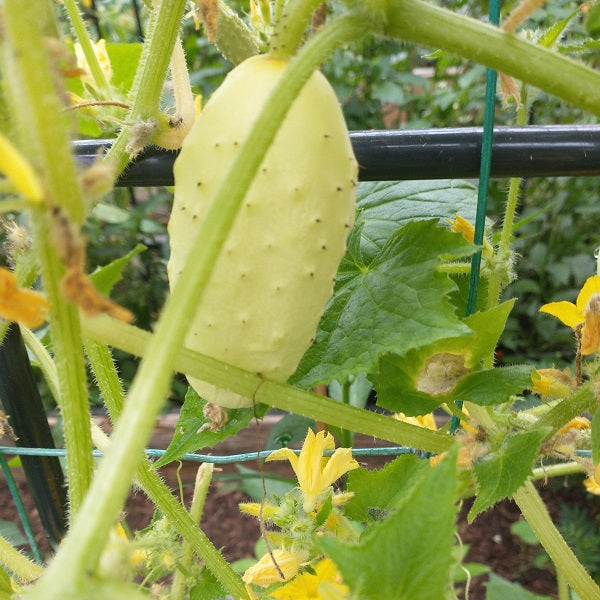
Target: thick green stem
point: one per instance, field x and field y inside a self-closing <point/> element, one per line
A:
<point x="81" y="547"/>
<point x="136" y="341"/>
<point x="422" y="23"/>
<point x="86" y="46"/>
<point x="146" y="90"/>
<point x="18" y="564"/>
<point x="70" y="367"/>
<point x="289" y="29"/>
<point x="536" y="514"/>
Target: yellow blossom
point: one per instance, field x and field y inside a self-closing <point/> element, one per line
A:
<point x="426" y="421"/>
<point x="576" y="423"/>
<point x="325" y="584"/>
<point x="20" y="305"/>
<point x="584" y="313"/>
<point x="253" y="508"/>
<point x="19" y="171"/>
<point x="592" y="483"/>
<point x="315" y="472"/>
<point x="103" y="60"/>
<point x="552" y="382"/>
<point x="265" y="573"/>
<point x="462" y="226"/>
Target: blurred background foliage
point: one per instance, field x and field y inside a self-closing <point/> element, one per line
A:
<point x="389" y="84"/>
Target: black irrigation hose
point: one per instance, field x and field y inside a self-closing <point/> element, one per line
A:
<point x="23" y="405"/>
<point x="548" y="151"/>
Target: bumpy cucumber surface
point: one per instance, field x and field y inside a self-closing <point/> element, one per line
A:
<point x="276" y="271"/>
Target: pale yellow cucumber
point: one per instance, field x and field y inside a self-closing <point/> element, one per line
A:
<point x="275" y="274"/>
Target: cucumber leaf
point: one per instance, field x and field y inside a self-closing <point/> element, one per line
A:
<point x="395" y="303"/>
<point x="422" y="379"/>
<point x="385" y="206"/>
<point x="423" y="520"/>
<point x="502" y="472"/>
<point x="193" y="431"/>
<point x="493" y="386"/>
<point x="377" y="492"/>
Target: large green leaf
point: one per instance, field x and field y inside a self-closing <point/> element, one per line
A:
<point x="396" y="303"/>
<point x="501" y="473"/>
<point x="493" y="386"/>
<point x="193" y="431"/>
<point x="422" y="379"/>
<point x="377" y="492"/>
<point x="385" y="206"/>
<point x="409" y="554"/>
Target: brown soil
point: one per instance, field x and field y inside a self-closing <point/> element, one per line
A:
<point x="489" y="538"/>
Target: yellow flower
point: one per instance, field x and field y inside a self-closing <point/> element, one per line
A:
<point x="253" y="508"/>
<point x="462" y="226"/>
<point x="20" y="305"/>
<point x="325" y="584"/>
<point x="425" y="421"/>
<point x="316" y="472"/>
<point x="265" y="573"/>
<point x="19" y="171"/>
<point x="586" y="313"/>
<point x="103" y="60"/>
<point x="576" y="423"/>
<point x="592" y="483"/>
<point x="552" y="382"/>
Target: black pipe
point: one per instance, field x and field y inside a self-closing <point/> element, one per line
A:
<point x="548" y="151"/>
<point x="27" y="417"/>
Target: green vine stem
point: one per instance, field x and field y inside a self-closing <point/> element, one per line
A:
<point x="146" y="90"/>
<point x="289" y="29"/>
<point x="422" y="23"/>
<point x="87" y="47"/>
<point x="36" y="109"/>
<point x="136" y="341"/>
<point x="81" y="546"/>
<point x="186" y="525"/>
<point x="201" y="485"/>
<point x="497" y="280"/>
<point x="535" y="512"/>
<point x="70" y="367"/>
<point x="18" y="564"/>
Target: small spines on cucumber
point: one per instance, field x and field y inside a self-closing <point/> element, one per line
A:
<point x="275" y="273"/>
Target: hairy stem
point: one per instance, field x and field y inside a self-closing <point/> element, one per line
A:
<point x="290" y="27"/>
<point x="18" y="564"/>
<point x="536" y="514"/>
<point x="146" y="90"/>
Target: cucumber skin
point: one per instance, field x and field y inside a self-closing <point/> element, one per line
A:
<point x="273" y="278"/>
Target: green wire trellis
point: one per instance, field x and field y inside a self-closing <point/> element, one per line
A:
<point x="484" y="181"/>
